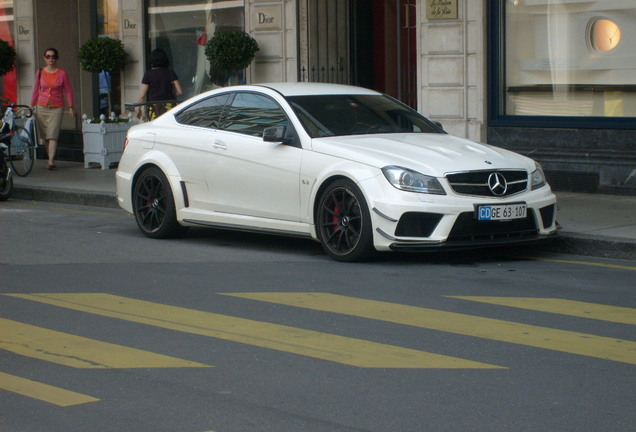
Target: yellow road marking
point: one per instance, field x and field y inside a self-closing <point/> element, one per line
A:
<point x="487" y="328"/>
<point x="77" y="351"/>
<point x="43" y="392"/>
<point x="314" y="344"/>
<point x="600" y="312"/>
<point x="586" y="263"/>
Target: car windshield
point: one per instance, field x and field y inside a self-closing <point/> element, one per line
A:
<point x="336" y="115"/>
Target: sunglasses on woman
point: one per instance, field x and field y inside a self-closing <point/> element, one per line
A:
<point x="51" y="56"/>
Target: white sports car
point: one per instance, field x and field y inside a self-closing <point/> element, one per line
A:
<point x="349" y="167"/>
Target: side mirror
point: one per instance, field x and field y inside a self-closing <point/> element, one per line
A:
<point x="438" y="124"/>
<point x="275" y="134"/>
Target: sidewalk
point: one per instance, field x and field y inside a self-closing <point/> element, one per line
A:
<point x="592" y="224"/>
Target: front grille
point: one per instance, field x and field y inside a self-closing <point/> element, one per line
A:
<point x="469" y="229"/>
<point x="506" y="182"/>
<point x="414" y="224"/>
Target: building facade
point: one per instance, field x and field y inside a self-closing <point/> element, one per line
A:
<point x="554" y="79"/>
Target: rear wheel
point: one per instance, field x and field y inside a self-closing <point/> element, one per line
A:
<point x="22" y="152"/>
<point x="153" y="205"/>
<point x="6" y="181"/>
<point x="344" y="223"/>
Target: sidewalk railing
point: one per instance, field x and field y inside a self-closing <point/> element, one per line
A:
<point x="151" y="109"/>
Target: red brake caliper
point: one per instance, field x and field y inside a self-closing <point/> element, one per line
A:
<point x="336" y="217"/>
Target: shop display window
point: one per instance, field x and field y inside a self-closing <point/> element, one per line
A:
<point x="182" y="29"/>
<point x="564" y="58"/>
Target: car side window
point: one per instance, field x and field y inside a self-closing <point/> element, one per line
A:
<point x="206" y="113"/>
<point x="251" y="113"/>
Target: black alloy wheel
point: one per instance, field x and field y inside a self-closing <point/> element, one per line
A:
<point x="153" y="205"/>
<point x="344" y="223"/>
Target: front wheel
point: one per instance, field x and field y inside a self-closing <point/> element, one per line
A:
<point x="344" y="223"/>
<point x="153" y="206"/>
<point x="22" y="152"/>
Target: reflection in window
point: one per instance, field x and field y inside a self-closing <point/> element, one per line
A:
<point x="182" y="28"/>
<point x="109" y="84"/>
<point x="565" y="60"/>
<point x="250" y="114"/>
<point x="334" y="115"/>
<point x="8" y="83"/>
<point x="206" y="113"/>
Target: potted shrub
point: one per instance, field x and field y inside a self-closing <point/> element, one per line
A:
<point x="103" y="55"/>
<point x="103" y="137"/>
<point x="229" y="52"/>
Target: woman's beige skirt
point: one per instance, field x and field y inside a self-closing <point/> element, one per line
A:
<point x="49" y="122"/>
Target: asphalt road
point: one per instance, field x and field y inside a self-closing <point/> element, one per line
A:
<point x="102" y="329"/>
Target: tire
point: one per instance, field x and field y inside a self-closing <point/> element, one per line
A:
<point x="6" y="183"/>
<point x="343" y="223"/>
<point x="22" y="152"/>
<point x="153" y="206"/>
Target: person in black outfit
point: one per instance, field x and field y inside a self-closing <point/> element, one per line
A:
<point x="160" y="83"/>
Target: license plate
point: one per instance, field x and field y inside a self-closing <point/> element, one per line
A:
<point x="501" y="212"/>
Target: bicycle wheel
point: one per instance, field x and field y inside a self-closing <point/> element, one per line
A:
<point x="22" y="152"/>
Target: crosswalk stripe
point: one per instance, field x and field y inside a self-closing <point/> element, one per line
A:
<point x="617" y="314"/>
<point x="314" y="344"/>
<point x="43" y="392"/>
<point x="541" y="337"/>
<point x="77" y="351"/>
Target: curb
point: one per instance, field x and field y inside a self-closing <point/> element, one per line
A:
<point x="597" y="246"/>
<point x="564" y="242"/>
<point x="66" y="196"/>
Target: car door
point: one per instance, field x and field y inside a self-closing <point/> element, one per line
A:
<point x="248" y="176"/>
<point x="192" y="140"/>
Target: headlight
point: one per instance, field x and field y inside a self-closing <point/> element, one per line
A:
<point x="538" y="178"/>
<point x="412" y="181"/>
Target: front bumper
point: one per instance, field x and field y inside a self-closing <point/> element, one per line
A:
<point x="410" y="221"/>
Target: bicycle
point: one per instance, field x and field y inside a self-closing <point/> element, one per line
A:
<point x="19" y="138"/>
<point x="6" y="173"/>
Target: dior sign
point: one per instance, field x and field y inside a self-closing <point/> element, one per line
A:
<point x="268" y="18"/>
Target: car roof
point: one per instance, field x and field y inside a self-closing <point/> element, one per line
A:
<point x="315" y="88"/>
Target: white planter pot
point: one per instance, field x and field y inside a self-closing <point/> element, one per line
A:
<point x="104" y="143"/>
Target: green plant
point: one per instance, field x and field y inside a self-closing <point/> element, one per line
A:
<point x="231" y="50"/>
<point x="103" y="54"/>
<point x="7" y="57"/>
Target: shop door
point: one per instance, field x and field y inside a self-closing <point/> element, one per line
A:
<point x="383" y="47"/>
<point x="327" y="36"/>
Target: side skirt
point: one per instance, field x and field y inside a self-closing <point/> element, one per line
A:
<point x="248" y="229"/>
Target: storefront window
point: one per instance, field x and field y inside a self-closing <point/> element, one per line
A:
<point x="182" y="28"/>
<point x="109" y="84"/>
<point x="568" y="58"/>
<point x="8" y="84"/>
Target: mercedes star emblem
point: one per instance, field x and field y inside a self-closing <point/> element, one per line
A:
<point x="497" y="184"/>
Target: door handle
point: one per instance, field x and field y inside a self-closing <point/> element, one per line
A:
<point x="219" y="145"/>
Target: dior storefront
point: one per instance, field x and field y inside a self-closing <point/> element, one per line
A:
<point x="552" y="78"/>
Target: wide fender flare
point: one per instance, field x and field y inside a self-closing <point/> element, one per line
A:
<point x="363" y="176"/>
<point x="169" y="169"/>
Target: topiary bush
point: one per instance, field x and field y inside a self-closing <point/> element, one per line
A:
<point x="231" y="50"/>
<point x="103" y="54"/>
<point x="7" y="57"/>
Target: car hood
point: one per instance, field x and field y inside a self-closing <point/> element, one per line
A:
<point x="431" y="154"/>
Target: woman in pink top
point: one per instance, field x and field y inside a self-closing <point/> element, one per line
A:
<point x="51" y="86"/>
